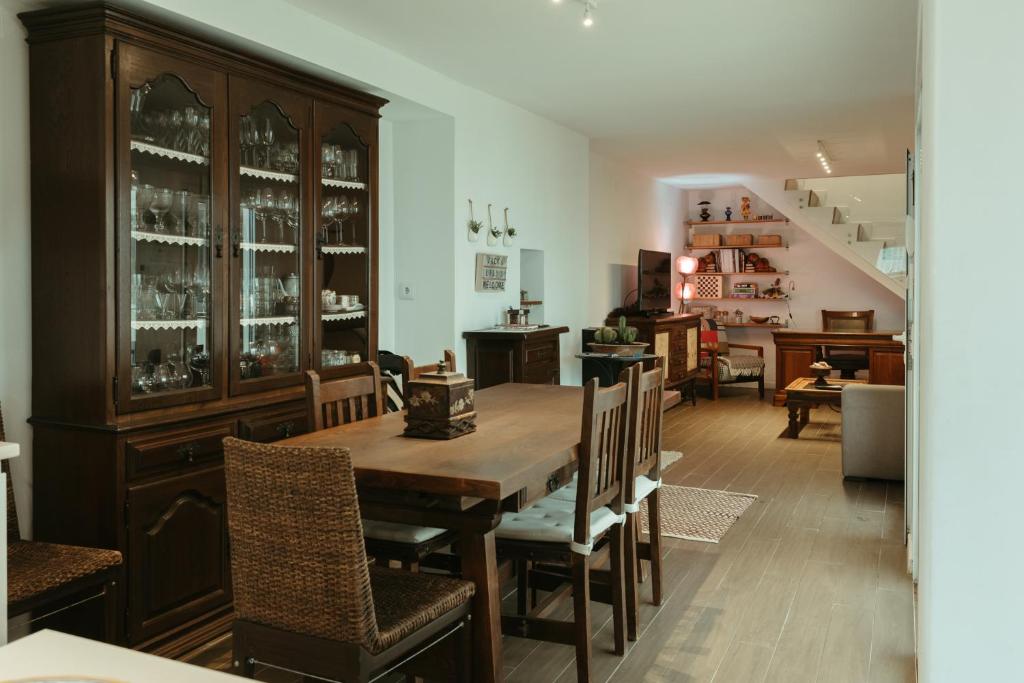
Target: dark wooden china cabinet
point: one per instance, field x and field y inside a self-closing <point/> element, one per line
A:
<point x="204" y="230"/>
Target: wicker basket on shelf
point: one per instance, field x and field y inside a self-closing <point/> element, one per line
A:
<point x="769" y="240"/>
<point x="739" y="240"/>
<point x="707" y="240"/>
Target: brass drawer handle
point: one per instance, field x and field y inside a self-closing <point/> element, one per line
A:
<point x="188" y="451"/>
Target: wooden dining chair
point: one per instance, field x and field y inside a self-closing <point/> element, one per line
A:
<point x="554" y="531"/>
<point x="411" y="371"/>
<point x="340" y="402"/>
<point x="57" y="585"/>
<point x="305" y="597"/>
<point x="643" y="469"/>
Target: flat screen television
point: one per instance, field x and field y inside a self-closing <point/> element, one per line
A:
<point x="654" y="281"/>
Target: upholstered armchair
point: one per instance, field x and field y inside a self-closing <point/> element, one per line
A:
<point x="720" y="364"/>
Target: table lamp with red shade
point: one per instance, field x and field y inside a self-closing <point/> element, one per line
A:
<point x="685" y="291"/>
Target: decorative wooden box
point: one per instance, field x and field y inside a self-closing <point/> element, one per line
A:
<point x="769" y="240"/>
<point x="707" y="240"/>
<point x="744" y="240"/>
<point x="440" y="405"/>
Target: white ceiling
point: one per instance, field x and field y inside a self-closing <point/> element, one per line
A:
<point x="677" y="87"/>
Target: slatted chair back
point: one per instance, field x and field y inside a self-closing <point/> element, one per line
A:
<point x="338" y="402"/>
<point x="602" y="454"/>
<point x="411" y="371"/>
<point x="13" y="535"/>
<point x="847" y="321"/>
<point x="645" y="417"/>
<point x="297" y="556"/>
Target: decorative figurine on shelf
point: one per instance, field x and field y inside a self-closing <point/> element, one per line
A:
<point x="745" y="207"/>
<point x="705" y="213"/>
<point x="440" y="405"/>
<point x="775" y="291"/>
<point x="728" y="213"/>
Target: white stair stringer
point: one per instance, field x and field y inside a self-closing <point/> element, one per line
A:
<point x="824" y="223"/>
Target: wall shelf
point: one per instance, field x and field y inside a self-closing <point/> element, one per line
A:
<point x="772" y="326"/>
<point x="749" y="246"/>
<point x="769" y="222"/>
<point x="779" y="273"/>
<point x="740" y="298"/>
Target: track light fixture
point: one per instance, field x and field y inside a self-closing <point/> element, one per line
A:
<point x="588" y="10"/>
<point x="823" y="158"/>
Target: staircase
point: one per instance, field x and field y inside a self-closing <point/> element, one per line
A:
<point x="876" y="247"/>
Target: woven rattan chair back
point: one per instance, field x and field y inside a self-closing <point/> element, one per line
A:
<point x="13" y="534"/>
<point x="645" y="412"/>
<point x="411" y="371"/>
<point x="602" y="453"/>
<point x="297" y="556"/>
<point x="338" y="402"/>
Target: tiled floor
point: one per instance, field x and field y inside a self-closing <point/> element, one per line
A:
<point x="808" y="585"/>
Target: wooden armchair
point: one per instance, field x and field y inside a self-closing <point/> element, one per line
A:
<point x="848" y="360"/>
<point x="64" y="587"/>
<point x="721" y="366"/>
<point x="411" y="371"/>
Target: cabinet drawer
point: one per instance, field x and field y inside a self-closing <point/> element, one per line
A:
<point x="268" y="427"/>
<point x="547" y="373"/>
<point x="171" y="450"/>
<point x="545" y="353"/>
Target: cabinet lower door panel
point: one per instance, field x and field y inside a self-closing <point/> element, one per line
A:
<point x="179" y="567"/>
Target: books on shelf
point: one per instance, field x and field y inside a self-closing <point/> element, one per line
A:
<point x="744" y="290"/>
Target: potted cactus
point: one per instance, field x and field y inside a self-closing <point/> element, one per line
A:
<point x="620" y="342"/>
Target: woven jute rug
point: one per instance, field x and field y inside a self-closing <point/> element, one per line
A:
<point x="697" y="514"/>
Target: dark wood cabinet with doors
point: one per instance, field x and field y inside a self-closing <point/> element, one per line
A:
<point x="676" y="339"/>
<point x="497" y="356"/>
<point x="190" y="206"/>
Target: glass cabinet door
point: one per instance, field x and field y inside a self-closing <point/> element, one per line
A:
<point x="269" y="191"/>
<point x="171" y="194"/>
<point x="345" y="240"/>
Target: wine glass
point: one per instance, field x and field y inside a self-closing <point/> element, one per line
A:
<point x="285" y="208"/>
<point x="341" y="212"/>
<point x="267" y="201"/>
<point x="160" y="205"/>
<point x="353" y="211"/>
<point x="268" y="137"/>
<point x="327" y="160"/>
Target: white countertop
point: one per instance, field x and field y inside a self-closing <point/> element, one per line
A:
<point x="8" y="450"/>
<point x="51" y="654"/>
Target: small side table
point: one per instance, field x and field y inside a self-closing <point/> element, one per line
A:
<point x="802" y="395"/>
<point x="7" y="450"/>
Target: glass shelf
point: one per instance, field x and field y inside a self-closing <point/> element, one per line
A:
<point x="268" y="247"/>
<point x="165" y="238"/>
<point x="350" y="315"/>
<point x="276" y="320"/>
<point x="346" y="184"/>
<point x="192" y="324"/>
<point x="266" y="174"/>
<point x="167" y="153"/>
<point x="342" y="250"/>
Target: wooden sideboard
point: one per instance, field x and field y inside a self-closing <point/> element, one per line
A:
<point x="796" y="350"/>
<point x="676" y="338"/>
<point x="167" y="311"/>
<point x="497" y="356"/>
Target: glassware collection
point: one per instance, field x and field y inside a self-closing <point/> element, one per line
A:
<point x="173" y="270"/>
<point x="262" y="148"/>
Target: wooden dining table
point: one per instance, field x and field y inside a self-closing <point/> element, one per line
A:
<point x="525" y="443"/>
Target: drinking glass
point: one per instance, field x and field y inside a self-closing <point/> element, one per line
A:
<point x="142" y="203"/>
<point x="352" y="165"/>
<point x="327" y="160"/>
<point x="160" y="205"/>
<point x="198" y="224"/>
<point x="179" y="212"/>
<point x="267" y="138"/>
<point x="204" y="135"/>
<point x="176" y="130"/>
<point x="190" y="132"/>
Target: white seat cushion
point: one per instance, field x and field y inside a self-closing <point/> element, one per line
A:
<point x="399" y="533"/>
<point x="551" y="520"/>
<point x="643" y="488"/>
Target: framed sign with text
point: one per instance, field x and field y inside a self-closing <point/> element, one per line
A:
<point x="490" y="272"/>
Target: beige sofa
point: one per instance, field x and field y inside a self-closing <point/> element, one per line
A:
<point x="873" y="431"/>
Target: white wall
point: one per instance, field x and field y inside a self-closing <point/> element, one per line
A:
<point x="823" y="279"/>
<point x="972" y="469"/>
<point x="628" y="212"/>
<point x="15" y="320"/>
<point x="386" y="229"/>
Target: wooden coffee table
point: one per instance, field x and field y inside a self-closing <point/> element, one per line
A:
<point x="802" y="395"/>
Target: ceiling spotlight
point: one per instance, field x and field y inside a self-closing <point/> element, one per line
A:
<point x="826" y="162"/>
<point x="557" y="2"/>
<point x="588" y="20"/>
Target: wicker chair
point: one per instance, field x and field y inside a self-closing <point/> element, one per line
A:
<point x="47" y="580"/>
<point x="342" y="401"/>
<point x="306" y="598"/>
<point x="560" y="532"/>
